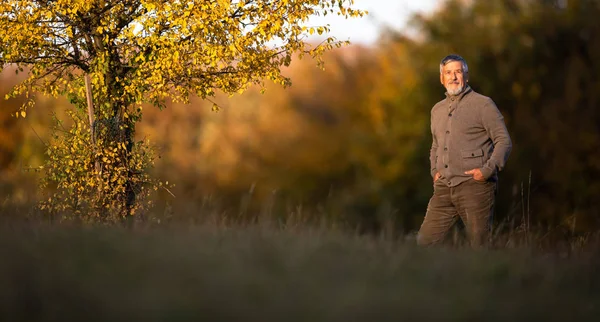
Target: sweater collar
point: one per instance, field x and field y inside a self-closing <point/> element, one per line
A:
<point x="460" y="96"/>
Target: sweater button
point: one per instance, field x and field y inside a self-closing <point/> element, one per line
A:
<point x="446" y="166"/>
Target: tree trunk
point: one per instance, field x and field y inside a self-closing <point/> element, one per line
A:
<point x="124" y="130"/>
<point x="130" y="195"/>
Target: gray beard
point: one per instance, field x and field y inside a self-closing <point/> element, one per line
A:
<point x="456" y="91"/>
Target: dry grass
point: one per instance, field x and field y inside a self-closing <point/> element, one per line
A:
<point x="260" y="273"/>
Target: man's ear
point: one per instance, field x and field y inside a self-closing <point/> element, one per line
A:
<point x="442" y="78"/>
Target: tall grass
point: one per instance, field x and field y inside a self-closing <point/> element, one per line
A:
<point x="267" y="273"/>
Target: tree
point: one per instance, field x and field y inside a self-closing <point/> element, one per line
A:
<point x="120" y="54"/>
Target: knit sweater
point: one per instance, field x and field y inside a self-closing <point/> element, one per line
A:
<point x="468" y="133"/>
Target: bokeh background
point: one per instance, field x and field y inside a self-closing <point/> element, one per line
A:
<point x="350" y="144"/>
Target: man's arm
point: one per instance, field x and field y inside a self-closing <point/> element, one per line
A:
<point x="493" y="122"/>
<point x="433" y="152"/>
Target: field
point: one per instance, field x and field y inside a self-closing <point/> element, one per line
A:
<point x="261" y="273"/>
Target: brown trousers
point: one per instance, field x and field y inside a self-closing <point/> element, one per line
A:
<point x="471" y="201"/>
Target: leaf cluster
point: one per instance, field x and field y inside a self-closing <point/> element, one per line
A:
<point x="89" y="180"/>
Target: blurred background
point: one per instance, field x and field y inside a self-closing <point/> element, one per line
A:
<point x="351" y="143"/>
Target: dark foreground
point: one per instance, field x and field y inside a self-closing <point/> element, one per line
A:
<point x="257" y="274"/>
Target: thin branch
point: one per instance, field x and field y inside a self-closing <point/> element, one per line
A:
<point x="38" y="136"/>
<point x="169" y="191"/>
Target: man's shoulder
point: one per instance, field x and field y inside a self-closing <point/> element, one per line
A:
<point x="478" y="99"/>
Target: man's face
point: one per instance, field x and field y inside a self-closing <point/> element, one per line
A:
<point x="453" y="77"/>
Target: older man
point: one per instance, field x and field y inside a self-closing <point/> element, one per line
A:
<point x="470" y="145"/>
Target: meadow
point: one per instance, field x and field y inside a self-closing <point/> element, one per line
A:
<point x="263" y="272"/>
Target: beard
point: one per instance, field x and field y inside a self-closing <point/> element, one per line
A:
<point x="455" y="91"/>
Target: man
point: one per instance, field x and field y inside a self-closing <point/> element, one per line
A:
<point x="470" y="145"/>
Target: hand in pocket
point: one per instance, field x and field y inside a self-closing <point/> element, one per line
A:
<point x="476" y="173"/>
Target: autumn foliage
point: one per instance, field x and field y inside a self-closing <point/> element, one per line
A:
<point x="117" y="55"/>
<point x="349" y="143"/>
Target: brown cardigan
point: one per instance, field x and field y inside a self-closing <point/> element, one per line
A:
<point x="468" y="132"/>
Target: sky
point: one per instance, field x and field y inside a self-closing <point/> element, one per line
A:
<point x="365" y="30"/>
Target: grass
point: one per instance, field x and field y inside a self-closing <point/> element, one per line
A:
<point x="258" y="273"/>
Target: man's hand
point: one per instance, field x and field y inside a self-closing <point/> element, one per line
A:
<point x="436" y="177"/>
<point x="477" y="175"/>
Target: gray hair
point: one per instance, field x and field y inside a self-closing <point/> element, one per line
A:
<point x="451" y="58"/>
